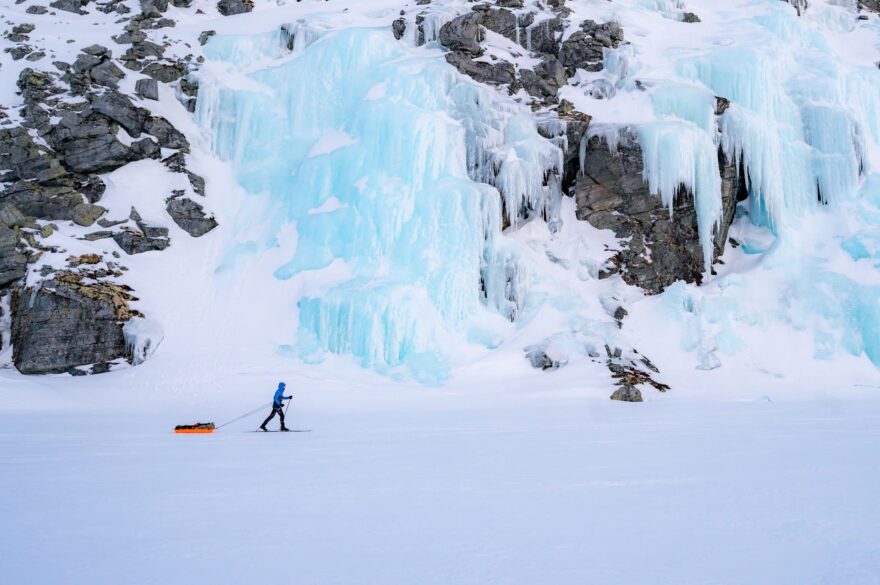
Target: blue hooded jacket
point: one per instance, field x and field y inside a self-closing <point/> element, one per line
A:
<point x="279" y="395"/>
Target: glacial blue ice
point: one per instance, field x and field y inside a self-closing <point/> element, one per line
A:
<point x="391" y="162"/>
<point x="801" y="123"/>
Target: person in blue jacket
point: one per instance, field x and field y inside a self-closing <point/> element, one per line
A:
<point x="277" y="407"/>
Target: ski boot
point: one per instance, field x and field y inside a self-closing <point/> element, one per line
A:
<point x="263" y="428"/>
<point x="284" y="430"/>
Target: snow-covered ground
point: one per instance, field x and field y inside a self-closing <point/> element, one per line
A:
<point x="465" y="485"/>
<point x="762" y="470"/>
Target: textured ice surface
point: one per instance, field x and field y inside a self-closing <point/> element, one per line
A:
<point x="394" y="142"/>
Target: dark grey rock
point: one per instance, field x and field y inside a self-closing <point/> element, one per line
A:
<point x="146" y="148"/>
<point x="147" y="89"/>
<point x="13" y="263"/>
<point x="107" y="74"/>
<point x="166" y="73"/>
<point x="121" y="110"/>
<point x="585" y="48"/>
<point x="205" y="35"/>
<point x="166" y="134"/>
<point x="23" y="29"/>
<point x="74" y="6"/>
<point x="232" y="7"/>
<point x="690" y="17"/>
<point x="197" y="182"/>
<point x="97" y="150"/>
<point x="133" y="242"/>
<point x="97" y="51"/>
<point x="153" y="8"/>
<point x="46" y="202"/>
<point x="85" y="214"/>
<point x="659" y="249"/>
<point x="398" y="28"/>
<point x="543" y="37"/>
<point x="36" y="9"/>
<point x="129" y="37"/>
<point x="497" y="20"/>
<point x="190" y="216"/>
<point x="84" y="63"/>
<point x="65" y="323"/>
<point x="11" y="217"/>
<point x="501" y="73"/>
<point x="144" y="50"/>
<point x="463" y="34"/>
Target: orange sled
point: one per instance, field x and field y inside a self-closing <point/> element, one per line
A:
<point x="196" y="428"/>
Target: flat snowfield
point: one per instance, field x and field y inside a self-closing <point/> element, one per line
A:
<point x="447" y="488"/>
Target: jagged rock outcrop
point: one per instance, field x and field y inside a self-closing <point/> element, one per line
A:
<point x="13" y="262"/>
<point x="660" y="247"/>
<point x="190" y="216"/>
<point x="232" y="7"/>
<point x="463" y="34"/>
<point x="585" y="48"/>
<point x="69" y="320"/>
<point x="72" y="129"/>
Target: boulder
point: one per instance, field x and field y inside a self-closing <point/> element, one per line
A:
<point x="13" y="263"/>
<point x="497" y="20"/>
<point x="627" y="393"/>
<point x="463" y="34"/>
<point x="85" y="214"/>
<point x="153" y="8"/>
<point x="232" y="7"/>
<point x="166" y="73"/>
<point x="133" y="242"/>
<point x="147" y="89"/>
<point x="585" y="48"/>
<point x="119" y="108"/>
<point x="74" y="6"/>
<point x="107" y="74"/>
<point x="167" y="135"/>
<point x="69" y="321"/>
<point x="190" y="216"/>
<point x="543" y="37"/>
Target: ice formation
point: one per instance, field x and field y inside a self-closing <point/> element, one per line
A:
<point x="142" y="337"/>
<point x="802" y="123"/>
<point x="419" y="166"/>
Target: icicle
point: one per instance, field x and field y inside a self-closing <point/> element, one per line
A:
<point x="455" y="146"/>
<point x="142" y="337"/>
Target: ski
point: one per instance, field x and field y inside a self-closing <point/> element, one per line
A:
<point x="290" y="431"/>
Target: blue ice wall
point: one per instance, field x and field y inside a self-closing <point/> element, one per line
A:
<point x="801" y="122"/>
<point x="371" y="150"/>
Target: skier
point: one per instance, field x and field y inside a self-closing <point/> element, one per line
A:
<point x="277" y="408"/>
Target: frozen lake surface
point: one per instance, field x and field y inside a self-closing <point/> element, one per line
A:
<point x="443" y="488"/>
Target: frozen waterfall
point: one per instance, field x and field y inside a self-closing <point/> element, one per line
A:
<point x="387" y="160"/>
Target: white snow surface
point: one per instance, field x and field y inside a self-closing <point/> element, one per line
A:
<point x="759" y="466"/>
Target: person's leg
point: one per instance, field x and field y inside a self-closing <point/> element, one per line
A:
<point x="281" y="414"/>
<point x="265" y="422"/>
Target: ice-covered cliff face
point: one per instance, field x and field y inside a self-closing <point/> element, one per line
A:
<point x="369" y="151"/>
<point x="392" y="173"/>
<point x="804" y="93"/>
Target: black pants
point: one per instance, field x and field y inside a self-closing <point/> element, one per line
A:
<point x="276" y="409"/>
